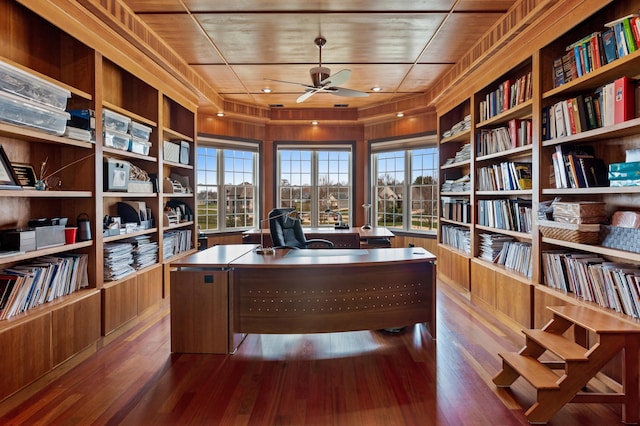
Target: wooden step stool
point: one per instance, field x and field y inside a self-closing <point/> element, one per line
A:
<point x="560" y="382"/>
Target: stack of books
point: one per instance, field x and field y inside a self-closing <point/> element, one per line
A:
<point x="624" y="174"/>
<point x="458" y="237"/>
<point x="516" y="256"/>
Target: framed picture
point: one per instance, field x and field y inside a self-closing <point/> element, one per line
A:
<point x="8" y="178"/>
<point x="25" y="174"/>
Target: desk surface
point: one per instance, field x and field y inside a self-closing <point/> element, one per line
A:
<point x="244" y="255"/>
<point x="331" y="257"/>
<point x="375" y="232"/>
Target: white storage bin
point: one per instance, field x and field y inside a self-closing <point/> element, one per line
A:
<point x="140" y="131"/>
<point x="113" y="121"/>
<point x="140" y="146"/>
<point x="117" y="140"/>
<point x="171" y="151"/>
<point x="24" y="112"/>
<point x="21" y="83"/>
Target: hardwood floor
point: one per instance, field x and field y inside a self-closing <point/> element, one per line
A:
<point x="355" y="378"/>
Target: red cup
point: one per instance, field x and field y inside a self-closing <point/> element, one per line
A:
<point x="70" y="235"/>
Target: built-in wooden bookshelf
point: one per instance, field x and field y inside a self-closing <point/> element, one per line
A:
<point x="51" y="333"/>
<point x="513" y="296"/>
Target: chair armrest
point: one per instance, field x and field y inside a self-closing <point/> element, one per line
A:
<point x="319" y="242"/>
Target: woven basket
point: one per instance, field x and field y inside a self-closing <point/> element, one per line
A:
<point x="575" y="233"/>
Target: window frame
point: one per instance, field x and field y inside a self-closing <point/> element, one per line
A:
<point x="221" y="144"/>
<point x="315" y="213"/>
<point x="405" y="144"/>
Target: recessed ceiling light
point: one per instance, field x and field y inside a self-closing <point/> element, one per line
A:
<point x="376" y="89"/>
<point x="266" y="90"/>
<point x="314" y="122"/>
<point x="400" y="114"/>
<point x="220" y="114"/>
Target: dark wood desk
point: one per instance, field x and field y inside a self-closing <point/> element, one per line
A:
<point x="376" y="237"/>
<point x="296" y="291"/>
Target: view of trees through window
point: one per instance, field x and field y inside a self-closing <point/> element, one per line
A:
<point x="317" y="183"/>
<point x="405" y="189"/>
<point x="226" y="178"/>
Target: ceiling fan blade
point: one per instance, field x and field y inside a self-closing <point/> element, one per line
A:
<point x="349" y="93"/>
<point x="306" y="95"/>
<point x="337" y="79"/>
<point x="290" y="82"/>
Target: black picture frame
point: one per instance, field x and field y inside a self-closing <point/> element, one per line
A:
<point x="8" y="178"/>
<point x="26" y="175"/>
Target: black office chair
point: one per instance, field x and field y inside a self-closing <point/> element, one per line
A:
<point x="286" y="230"/>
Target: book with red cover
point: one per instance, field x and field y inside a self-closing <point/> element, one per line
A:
<point x="624" y="100"/>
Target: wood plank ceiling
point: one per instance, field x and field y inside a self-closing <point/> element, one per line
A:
<point x="238" y="46"/>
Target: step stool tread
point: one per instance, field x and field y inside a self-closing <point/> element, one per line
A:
<point x="539" y="376"/>
<point x="566" y="349"/>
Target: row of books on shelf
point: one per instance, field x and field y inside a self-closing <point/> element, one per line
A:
<point x="42" y="280"/>
<point x="610" y="104"/>
<point x="618" y="39"/>
<point x="576" y="166"/>
<point x="505" y="176"/>
<point x="609" y="284"/>
<point x="507" y="214"/>
<point x="516" y="256"/>
<point x="457" y="209"/>
<point x="463" y="154"/>
<point x="505" y="250"/>
<point x="508" y="94"/>
<point x="517" y="133"/>
<point x="458" y="237"/>
<point x="175" y="242"/>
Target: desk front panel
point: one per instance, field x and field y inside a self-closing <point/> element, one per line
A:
<point x="311" y="299"/>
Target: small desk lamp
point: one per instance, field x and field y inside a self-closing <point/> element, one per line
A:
<point x="339" y="224"/>
<point x="261" y="249"/>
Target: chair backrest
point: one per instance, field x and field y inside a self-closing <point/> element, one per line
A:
<point x="286" y="231"/>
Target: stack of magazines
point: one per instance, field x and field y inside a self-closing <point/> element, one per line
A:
<point x="118" y="258"/>
<point x="145" y="251"/>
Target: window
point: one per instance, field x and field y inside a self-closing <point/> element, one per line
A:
<point x="317" y="182"/>
<point x="226" y="178"/>
<point x="405" y="184"/>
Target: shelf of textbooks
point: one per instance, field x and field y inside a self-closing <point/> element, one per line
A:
<point x="590" y="131"/>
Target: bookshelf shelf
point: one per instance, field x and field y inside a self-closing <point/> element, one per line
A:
<point x="585" y="192"/>
<point x="455" y="222"/>
<point x="128" y="155"/>
<point x="173" y="134"/>
<point x="521" y="151"/>
<point x="522" y="111"/>
<point x="113" y="238"/>
<point x="462" y="136"/>
<point x="605" y="251"/>
<point x="626" y="128"/>
<point x="503" y="271"/>
<point x="521" y="192"/>
<point x="460" y="164"/>
<point x="518" y="235"/>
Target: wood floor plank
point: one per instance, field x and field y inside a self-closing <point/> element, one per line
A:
<point x="356" y="378"/>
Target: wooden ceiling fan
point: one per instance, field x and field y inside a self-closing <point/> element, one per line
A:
<point x="323" y="81"/>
